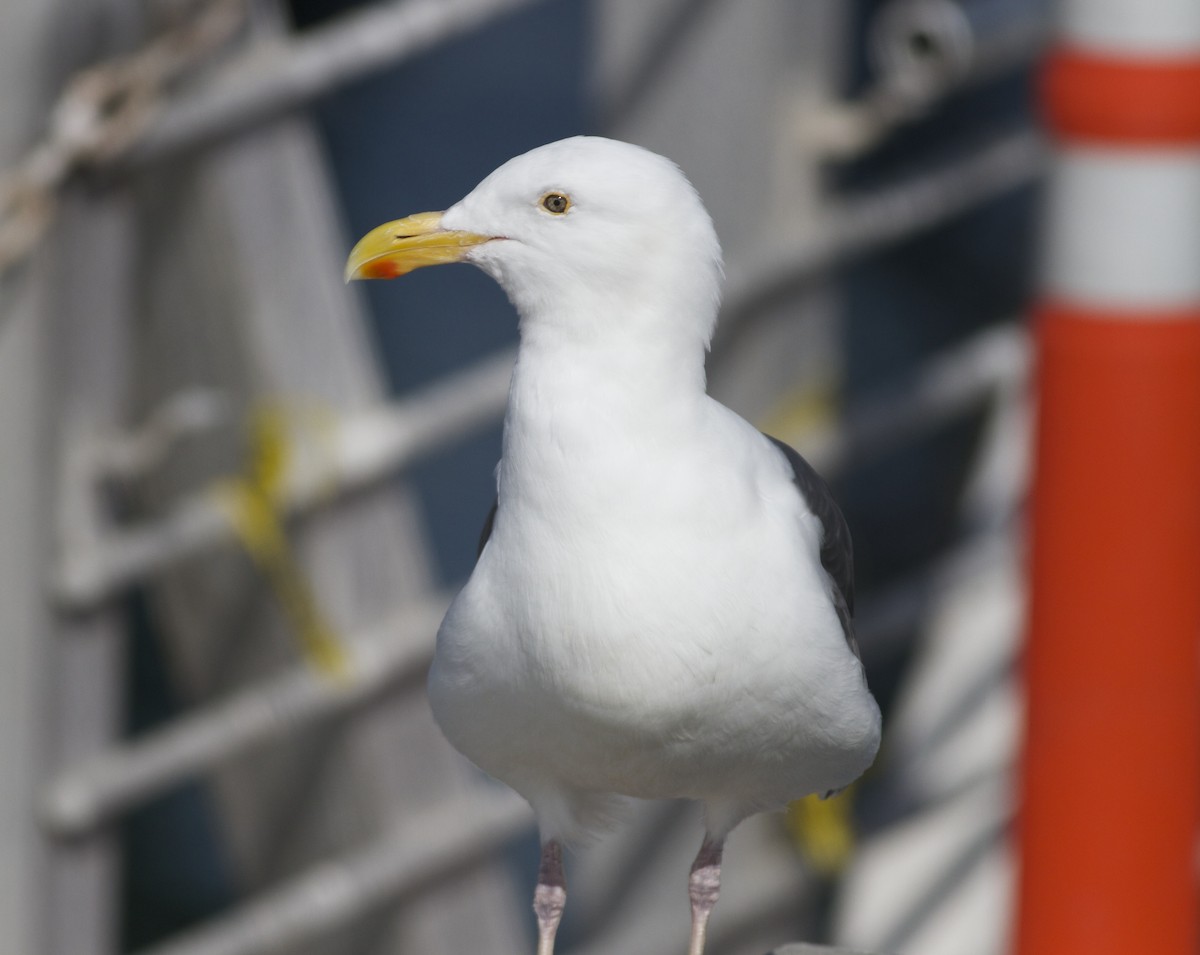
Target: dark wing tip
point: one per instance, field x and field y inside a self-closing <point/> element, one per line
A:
<point x="837" y="548"/>
<point x="488" y="523"/>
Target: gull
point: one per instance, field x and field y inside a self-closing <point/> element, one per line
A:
<point x="662" y="604"/>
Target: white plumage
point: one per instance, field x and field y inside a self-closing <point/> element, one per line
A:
<point x="650" y="616"/>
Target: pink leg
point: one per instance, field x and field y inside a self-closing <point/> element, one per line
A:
<point x="550" y="896"/>
<point x="704" y="885"/>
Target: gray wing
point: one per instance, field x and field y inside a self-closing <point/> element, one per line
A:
<point x="837" y="549"/>
<point x="488" y="523"/>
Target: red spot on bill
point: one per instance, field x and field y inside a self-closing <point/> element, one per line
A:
<point x="383" y="269"/>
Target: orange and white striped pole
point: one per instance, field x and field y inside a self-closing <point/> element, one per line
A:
<point x="1111" y="770"/>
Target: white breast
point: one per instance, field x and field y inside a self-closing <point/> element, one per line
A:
<point x="656" y="626"/>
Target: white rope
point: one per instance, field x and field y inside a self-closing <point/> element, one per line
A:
<point x="116" y="116"/>
<point x="270" y="80"/>
<point x="99" y="116"/>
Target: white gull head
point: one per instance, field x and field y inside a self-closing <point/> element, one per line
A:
<point x="590" y="226"/>
<point x="588" y="236"/>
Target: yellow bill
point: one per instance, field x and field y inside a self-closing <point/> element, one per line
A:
<point x="396" y="248"/>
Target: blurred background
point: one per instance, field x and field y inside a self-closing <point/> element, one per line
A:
<point x="237" y="495"/>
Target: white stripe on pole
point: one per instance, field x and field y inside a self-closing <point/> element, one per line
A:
<point x="1132" y="27"/>
<point x="1121" y="228"/>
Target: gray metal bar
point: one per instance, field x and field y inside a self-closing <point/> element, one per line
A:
<point x="59" y="383"/>
<point x="367" y="447"/>
<point x="395" y="652"/>
<point x="992" y="833"/>
<point x="422" y="852"/>
<point x="82" y="689"/>
<point x="858" y="225"/>
<point x="273" y="78"/>
<point x="887" y="618"/>
<point x="945" y="386"/>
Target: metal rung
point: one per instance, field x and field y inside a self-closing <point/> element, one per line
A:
<point x="887" y="618"/>
<point x="422" y="852"/>
<point x="396" y="652"/>
<point x="364" y="448"/>
<point x="273" y="78"/>
<point x="857" y="225"/>
<point x="944" y="387"/>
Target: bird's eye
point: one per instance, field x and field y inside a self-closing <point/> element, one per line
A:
<point x="555" y="203"/>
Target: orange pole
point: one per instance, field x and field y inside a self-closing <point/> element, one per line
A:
<point x="1110" y="781"/>
<point x="1110" y="784"/>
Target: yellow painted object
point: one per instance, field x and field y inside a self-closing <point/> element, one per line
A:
<point x="803" y="413"/>
<point x="823" y="830"/>
<point x="253" y="504"/>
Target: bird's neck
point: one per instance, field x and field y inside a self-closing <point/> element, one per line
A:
<point x="582" y="407"/>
